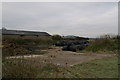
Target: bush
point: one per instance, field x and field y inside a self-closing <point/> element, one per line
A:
<point x="56" y="37"/>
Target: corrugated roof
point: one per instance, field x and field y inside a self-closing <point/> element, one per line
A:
<point x="19" y="32"/>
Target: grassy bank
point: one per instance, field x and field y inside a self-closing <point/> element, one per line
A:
<point x="105" y="44"/>
<point x="101" y="68"/>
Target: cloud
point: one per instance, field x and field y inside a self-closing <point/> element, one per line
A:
<point x="89" y="19"/>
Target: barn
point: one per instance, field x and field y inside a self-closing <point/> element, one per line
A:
<point x="23" y="34"/>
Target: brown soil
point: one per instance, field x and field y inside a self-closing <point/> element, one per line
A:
<point x="64" y="58"/>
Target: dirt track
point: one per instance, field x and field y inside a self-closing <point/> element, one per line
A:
<point x="64" y="58"/>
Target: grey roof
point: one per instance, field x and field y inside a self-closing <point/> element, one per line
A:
<point x="19" y="32"/>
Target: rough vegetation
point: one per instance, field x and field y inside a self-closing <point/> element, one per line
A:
<point x="23" y="46"/>
<point x="23" y="68"/>
<point x="105" y="44"/>
<point x="12" y="47"/>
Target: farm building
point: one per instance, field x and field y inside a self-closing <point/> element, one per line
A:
<point x="23" y="34"/>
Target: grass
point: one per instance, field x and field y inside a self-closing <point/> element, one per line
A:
<point x="101" y="68"/>
<point x="14" y="68"/>
<point x="103" y="45"/>
<point x="23" y="68"/>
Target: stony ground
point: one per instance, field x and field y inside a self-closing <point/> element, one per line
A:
<point x="63" y="58"/>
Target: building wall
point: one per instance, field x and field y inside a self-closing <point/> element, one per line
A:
<point x="26" y="37"/>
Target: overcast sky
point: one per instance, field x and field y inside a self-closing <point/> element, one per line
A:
<point x="88" y="19"/>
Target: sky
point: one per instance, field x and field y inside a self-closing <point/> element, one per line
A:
<point x="84" y="19"/>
